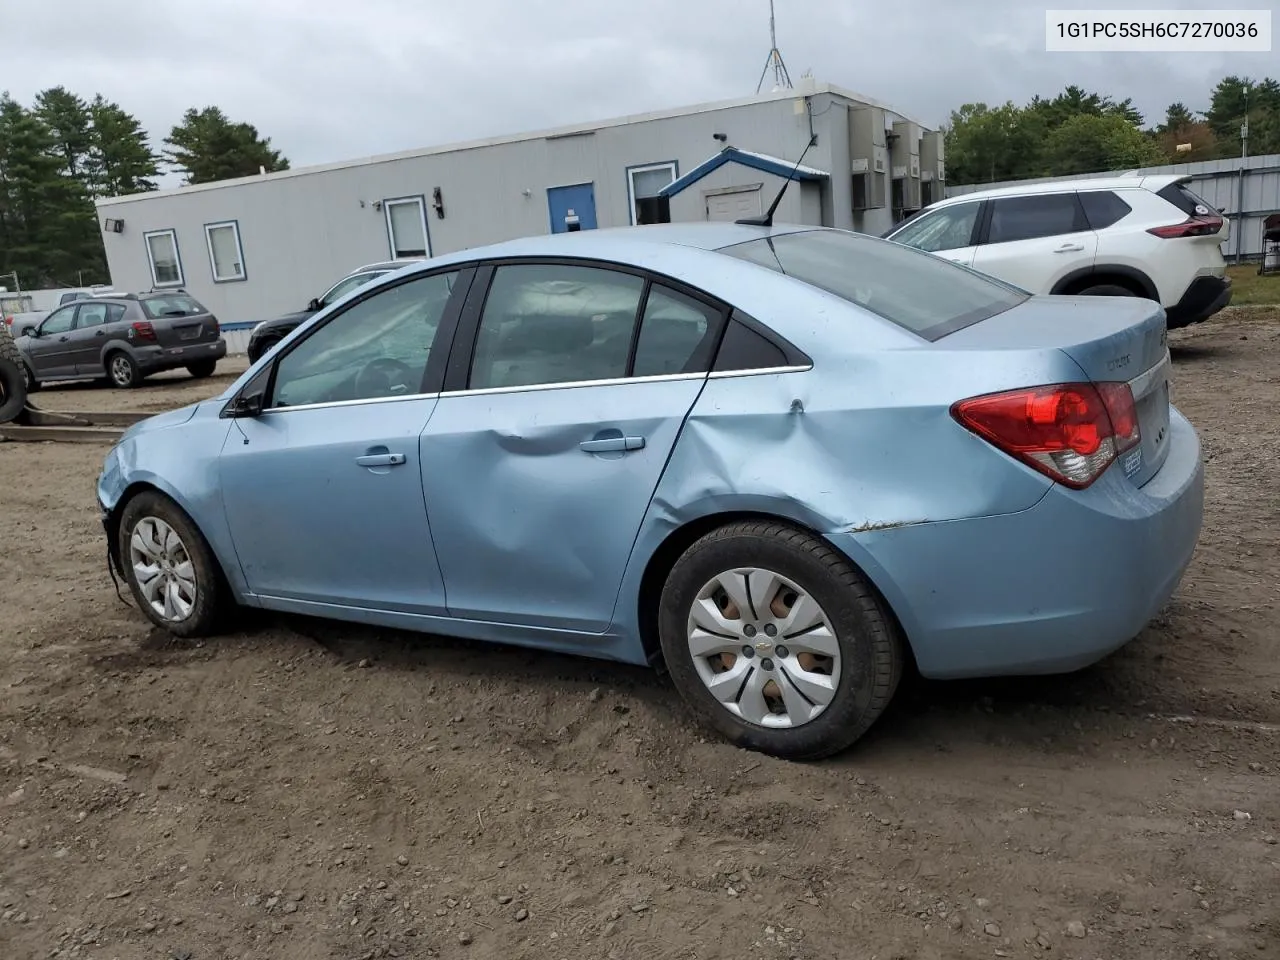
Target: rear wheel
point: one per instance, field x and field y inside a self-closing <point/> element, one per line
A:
<point x="122" y="371"/>
<point x="170" y="568"/>
<point x="776" y="641"/>
<point x="202" y="369"/>
<point x="1107" y="290"/>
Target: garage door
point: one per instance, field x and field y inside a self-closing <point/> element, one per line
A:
<point x="735" y="205"/>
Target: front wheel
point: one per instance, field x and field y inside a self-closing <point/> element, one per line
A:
<point x="171" y="570"/>
<point x="258" y="351"/>
<point x="776" y="641"/>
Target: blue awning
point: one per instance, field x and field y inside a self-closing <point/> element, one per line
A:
<point x="757" y="161"/>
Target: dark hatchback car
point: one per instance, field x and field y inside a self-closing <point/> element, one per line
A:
<point x="122" y="338"/>
<point x="270" y="332"/>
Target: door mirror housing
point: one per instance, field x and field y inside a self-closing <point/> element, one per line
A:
<point x="244" y="405"/>
<point x="29" y="331"/>
<point x="315" y="304"/>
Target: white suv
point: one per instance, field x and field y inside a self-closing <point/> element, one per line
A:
<point x="1130" y="236"/>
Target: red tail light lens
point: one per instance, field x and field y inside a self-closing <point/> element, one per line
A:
<point x="1191" y="227"/>
<point x="1070" y="432"/>
<point x="143" y="330"/>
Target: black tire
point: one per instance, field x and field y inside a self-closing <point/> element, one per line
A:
<point x="122" y="371"/>
<point x="211" y="592"/>
<point x="202" y="369"/>
<point x="1107" y="290"/>
<point x="258" y="350"/>
<point x="13" y="381"/>
<point x="30" y="375"/>
<point x="870" y="649"/>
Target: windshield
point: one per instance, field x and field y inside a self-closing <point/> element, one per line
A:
<point x="172" y="305"/>
<point x="919" y="292"/>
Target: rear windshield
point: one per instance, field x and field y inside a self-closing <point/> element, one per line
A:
<point x="171" y="305"/>
<point x="922" y="293"/>
<point x="1192" y="204"/>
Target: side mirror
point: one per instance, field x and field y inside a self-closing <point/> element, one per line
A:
<point x="29" y="332"/>
<point x="244" y="405"/>
<point x="315" y="304"/>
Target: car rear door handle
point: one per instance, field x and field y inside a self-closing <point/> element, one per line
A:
<point x="380" y="460"/>
<point x="612" y="444"/>
<point x="1070" y="248"/>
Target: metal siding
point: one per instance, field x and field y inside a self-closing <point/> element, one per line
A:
<point x="303" y="232"/>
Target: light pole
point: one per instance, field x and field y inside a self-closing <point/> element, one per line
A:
<point x="1244" y="155"/>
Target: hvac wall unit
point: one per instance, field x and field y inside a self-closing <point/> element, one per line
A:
<point x="869" y="157"/>
<point x="904" y="156"/>
<point x="933" y="173"/>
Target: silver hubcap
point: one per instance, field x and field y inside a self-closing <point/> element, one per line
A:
<point x="163" y="570"/>
<point x="764" y="648"/>
<point x="120" y="369"/>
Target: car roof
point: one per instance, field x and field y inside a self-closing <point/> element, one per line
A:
<point x="384" y="266"/>
<point x="1151" y="182"/>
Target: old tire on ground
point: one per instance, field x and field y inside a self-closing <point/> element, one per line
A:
<point x="1107" y="290"/>
<point x="122" y="372"/>
<point x="202" y="369"/>
<point x="169" y="566"/>
<point x="774" y="639"/>
<point x="13" y="380"/>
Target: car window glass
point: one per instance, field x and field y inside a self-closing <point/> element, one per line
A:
<point x="555" y="323"/>
<point x="917" y="291"/>
<point x="676" y="334"/>
<point x="1039" y="215"/>
<point x="171" y="305"/>
<point x="343" y="287"/>
<point x="91" y="315"/>
<point x="59" y="321"/>
<point x="1103" y="208"/>
<point x="947" y="229"/>
<point x="378" y="347"/>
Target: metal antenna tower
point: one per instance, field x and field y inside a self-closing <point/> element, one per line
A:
<point x="781" y="78"/>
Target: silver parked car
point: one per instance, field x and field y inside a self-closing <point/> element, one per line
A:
<point x="122" y="338"/>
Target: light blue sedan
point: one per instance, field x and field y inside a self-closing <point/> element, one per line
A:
<point x="782" y="463"/>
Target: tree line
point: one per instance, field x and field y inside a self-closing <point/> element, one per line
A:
<point x="1082" y="132"/>
<point x="62" y="152"/>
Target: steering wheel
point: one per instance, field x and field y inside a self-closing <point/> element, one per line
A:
<point x="385" y="377"/>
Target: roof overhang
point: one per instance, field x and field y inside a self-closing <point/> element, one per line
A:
<point x="747" y="158"/>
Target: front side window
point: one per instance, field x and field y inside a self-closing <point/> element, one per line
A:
<point x="59" y="321"/>
<point x="946" y="229"/>
<point x="555" y="323"/>
<point x="677" y="334"/>
<point x="919" y="292"/>
<point x="376" y="348"/>
<point x="225" y="254"/>
<point x="645" y="184"/>
<point x="1035" y="216"/>
<point x="162" y="253"/>
<point x="406" y="227"/>
<point x="345" y="286"/>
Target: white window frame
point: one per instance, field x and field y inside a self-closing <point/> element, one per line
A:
<point x="645" y="168"/>
<point x="177" y="257"/>
<point x="421" y="203"/>
<point x="213" y="263"/>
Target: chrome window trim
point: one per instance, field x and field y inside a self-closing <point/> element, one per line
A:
<point x="541" y="387"/>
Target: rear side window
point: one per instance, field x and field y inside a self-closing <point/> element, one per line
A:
<point x="97" y="314"/>
<point x="172" y="305"/>
<point x="1035" y="216"/>
<point x="677" y="334"/>
<point x="919" y="292"/>
<point x="1185" y="200"/>
<point x="1103" y="208"/>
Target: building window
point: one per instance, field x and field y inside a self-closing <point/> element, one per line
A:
<point x="225" y="255"/>
<point x="644" y="183"/>
<point x="162" y="254"/>
<point x="407" y="227"/>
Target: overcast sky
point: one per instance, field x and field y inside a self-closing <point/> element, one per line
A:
<point x="336" y="79"/>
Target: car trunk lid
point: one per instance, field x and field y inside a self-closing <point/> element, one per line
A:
<point x="1111" y="339"/>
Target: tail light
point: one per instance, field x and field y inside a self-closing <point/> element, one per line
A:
<point x="217" y="327"/>
<point x="1206" y="226"/>
<point x="143" y="330"/>
<point x="1070" y="432"/>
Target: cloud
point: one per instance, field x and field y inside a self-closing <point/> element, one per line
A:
<point x="329" y="80"/>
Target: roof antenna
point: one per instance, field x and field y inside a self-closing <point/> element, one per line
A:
<point x="781" y="78"/>
<point x="767" y="219"/>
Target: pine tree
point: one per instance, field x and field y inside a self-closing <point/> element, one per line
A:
<point x="208" y="146"/>
<point x="121" y="160"/>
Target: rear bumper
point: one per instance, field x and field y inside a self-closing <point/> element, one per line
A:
<point x="166" y="358"/>
<point x="1050" y="589"/>
<point x="1205" y="297"/>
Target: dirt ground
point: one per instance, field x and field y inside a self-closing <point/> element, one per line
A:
<point x="312" y="790"/>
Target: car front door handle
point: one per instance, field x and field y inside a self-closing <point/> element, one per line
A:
<point x="1070" y="248"/>
<point x="612" y="444"/>
<point x="380" y="460"/>
<point x="100" y="334"/>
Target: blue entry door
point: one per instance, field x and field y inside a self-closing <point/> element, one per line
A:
<point x="572" y="208"/>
